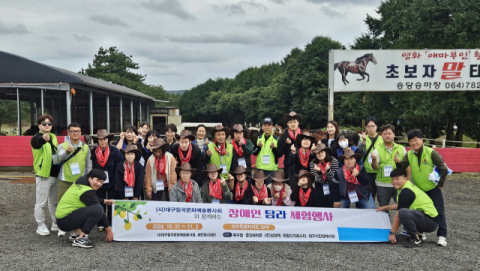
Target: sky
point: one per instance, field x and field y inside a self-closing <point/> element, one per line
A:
<point x="178" y="43"/>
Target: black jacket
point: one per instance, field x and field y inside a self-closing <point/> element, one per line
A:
<point x="249" y="182"/>
<point x="195" y="161"/>
<point x="313" y="200"/>
<point x="294" y="160"/>
<point x="248" y="197"/>
<point x="139" y="179"/>
<point x="283" y="147"/>
<point x="113" y="159"/>
<point x="333" y="146"/>
<point x="339" y="190"/>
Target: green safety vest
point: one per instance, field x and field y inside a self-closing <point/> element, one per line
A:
<point x="265" y="150"/>
<point x="386" y="158"/>
<point x="217" y="160"/>
<point x="71" y="200"/>
<point x="422" y="201"/>
<point x="420" y="173"/>
<point x="368" y="142"/>
<point x="42" y="158"/>
<point x="80" y="158"/>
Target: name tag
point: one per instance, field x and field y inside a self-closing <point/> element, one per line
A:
<point x="215" y="201"/>
<point x="353" y="196"/>
<point x="60" y="175"/>
<point x="326" y="189"/>
<point x="142" y="161"/>
<point x="242" y="162"/>
<point x="107" y="180"/>
<point x="370" y="158"/>
<point x="159" y="185"/>
<point x="55" y="159"/>
<point x="224" y="168"/>
<point x="266" y="159"/>
<point x="387" y="170"/>
<point x="75" y="168"/>
<point x="129" y="192"/>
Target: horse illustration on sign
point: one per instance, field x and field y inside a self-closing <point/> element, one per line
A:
<point x="358" y="66"/>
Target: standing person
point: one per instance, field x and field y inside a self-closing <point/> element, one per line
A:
<point x="44" y="148"/>
<point x="266" y="149"/>
<point x="370" y="141"/>
<point x="130" y="174"/>
<point x="171" y="136"/>
<point x="383" y="163"/>
<point x="323" y="167"/>
<point x="352" y="186"/>
<point x="243" y="148"/>
<point x="305" y="194"/>
<point x="79" y="209"/>
<point x="75" y="158"/>
<point x="215" y="190"/>
<point x="332" y="135"/>
<point x="160" y="171"/>
<point x="147" y="144"/>
<point x="345" y="144"/>
<point x="239" y="181"/>
<point x="416" y="210"/>
<point x="219" y="151"/>
<point x="287" y="139"/>
<point x="422" y="161"/>
<point x="105" y="157"/>
<point x="185" y="190"/>
<point x="280" y="190"/>
<point x="257" y="192"/>
<point x="301" y="155"/>
<point x="186" y="152"/>
<point x="142" y="131"/>
<point x="201" y="141"/>
<point x="130" y="137"/>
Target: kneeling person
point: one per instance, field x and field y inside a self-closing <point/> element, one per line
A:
<point x="79" y="210"/>
<point x="185" y="190"/>
<point x="416" y="211"/>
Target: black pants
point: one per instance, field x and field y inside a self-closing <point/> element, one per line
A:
<point x="84" y="218"/>
<point x="107" y="193"/>
<point x="158" y="196"/>
<point x="437" y="198"/>
<point x="291" y="179"/>
<point x="372" y="185"/>
<point x="414" y="221"/>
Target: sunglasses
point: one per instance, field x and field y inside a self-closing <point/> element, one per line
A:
<point x="47" y="124"/>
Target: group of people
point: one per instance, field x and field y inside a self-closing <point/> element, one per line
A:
<point x="78" y="183"/>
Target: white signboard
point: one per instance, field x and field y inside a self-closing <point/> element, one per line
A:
<point x="172" y="221"/>
<point x="405" y="70"/>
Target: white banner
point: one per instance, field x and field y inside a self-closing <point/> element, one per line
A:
<point x="405" y="70"/>
<point x="173" y="221"/>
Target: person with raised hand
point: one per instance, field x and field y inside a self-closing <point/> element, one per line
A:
<point x="287" y="139"/>
<point x="186" y="152"/>
<point x="239" y="181"/>
<point x="257" y="192"/>
<point x="280" y="190"/>
<point x="266" y="149"/>
<point x="301" y="154"/>
<point x="242" y="147"/>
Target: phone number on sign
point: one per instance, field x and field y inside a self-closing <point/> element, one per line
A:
<point x="438" y="85"/>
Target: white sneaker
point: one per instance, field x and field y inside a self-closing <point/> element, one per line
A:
<point x="54" y="227"/>
<point x="61" y="233"/>
<point x="442" y="241"/>
<point x="43" y="230"/>
<point x="424" y="235"/>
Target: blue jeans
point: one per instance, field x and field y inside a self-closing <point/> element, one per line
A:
<point x="361" y="204"/>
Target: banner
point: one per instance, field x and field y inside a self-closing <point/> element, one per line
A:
<point x="173" y="221"/>
<point x="405" y="70"/>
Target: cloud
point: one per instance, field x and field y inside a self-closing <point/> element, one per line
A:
<point x="18" y="29"/>
<point x="341" y="3"/>
<point x="232" y="9"/>
<point x="173" y="7"/>
<point x="180" y="55"/>
<point x="234" y="38"/>
<point x="80" y="38"/>
<point x="150" y="36"/>
<point x="282" y="2"/>
<point x="108" y="20"/>
<point x="331" y="12"/>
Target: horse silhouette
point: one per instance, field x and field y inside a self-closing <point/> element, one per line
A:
<point x="358" y="66"/>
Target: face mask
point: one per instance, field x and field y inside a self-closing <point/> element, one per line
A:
<point x="278" y="187"/>
<point x="343" y="144"/>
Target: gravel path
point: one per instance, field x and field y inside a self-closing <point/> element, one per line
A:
<point x="23" y="249"/>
